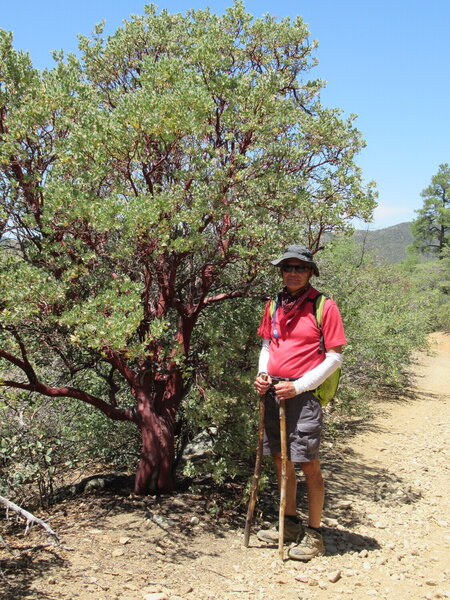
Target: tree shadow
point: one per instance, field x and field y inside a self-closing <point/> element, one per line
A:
<point x="20" y="566"/>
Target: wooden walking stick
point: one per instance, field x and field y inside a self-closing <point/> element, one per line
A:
<point x="283" y="442"/>
<point x="257" y="472"/>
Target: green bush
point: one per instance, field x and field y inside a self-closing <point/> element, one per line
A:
<point x="46" y="443"/>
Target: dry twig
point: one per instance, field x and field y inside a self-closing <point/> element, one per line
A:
<point x="29" y="517"/>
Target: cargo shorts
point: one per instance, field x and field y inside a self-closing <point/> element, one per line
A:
<point x="303" y="426"/>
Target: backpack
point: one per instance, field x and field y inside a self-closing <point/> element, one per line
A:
<point x="327" y="389"/>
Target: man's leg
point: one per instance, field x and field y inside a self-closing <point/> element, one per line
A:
<point x="311" y="544"/>
<point x="315" y="490"/>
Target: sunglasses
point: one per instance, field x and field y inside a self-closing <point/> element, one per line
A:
<point x="294" y="268"/>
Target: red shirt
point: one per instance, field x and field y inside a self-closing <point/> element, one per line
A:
<point x="295" y="351"/>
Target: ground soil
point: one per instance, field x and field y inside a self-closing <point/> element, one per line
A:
<point x="386" y="524"/>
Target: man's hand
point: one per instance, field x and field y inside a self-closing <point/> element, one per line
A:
<point x="285" y="390"/>
<point x="262" y="383"/>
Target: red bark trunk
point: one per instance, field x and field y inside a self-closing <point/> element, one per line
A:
<point x="156" y="419"/>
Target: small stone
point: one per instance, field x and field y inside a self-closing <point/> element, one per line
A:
<point x="187" y="589"/>
<point x="344" y="504"/>
<point x="390" y="546"/>
<point x="363" y="554"/>
<point x="161" y="521"/>
<point x="312" y="582"/>
<point x="430" y="582"/>
<point x="160" y="550"/>
<point x="124" y="540"/>
<point x="350" y="572"/>
<point x="194" y="521"/>
<point x="334" y="576"/>
<point x="157" y="596"/>
<point x="302" y="578"/>
<point x="52" y="580"/>
<point x="152" y="588"/>
<point x="118" y="552"/>
<point x="367" y="565"/>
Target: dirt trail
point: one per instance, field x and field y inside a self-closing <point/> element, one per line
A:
<point x="386" y="526"/>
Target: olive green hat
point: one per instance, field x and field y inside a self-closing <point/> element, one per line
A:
<point x="301" y="253"/>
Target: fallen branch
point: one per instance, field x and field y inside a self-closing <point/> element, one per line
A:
<point x="30" y="518"/>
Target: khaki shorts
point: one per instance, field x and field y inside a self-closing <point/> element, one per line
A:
<point x="303" y="426"/>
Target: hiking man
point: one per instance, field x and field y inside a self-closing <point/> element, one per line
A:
<point x="294" y="361"/>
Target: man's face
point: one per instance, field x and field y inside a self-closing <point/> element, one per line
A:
<point x="292" y="279"/>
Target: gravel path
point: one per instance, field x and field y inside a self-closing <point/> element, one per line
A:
<point x="386" y="526"/>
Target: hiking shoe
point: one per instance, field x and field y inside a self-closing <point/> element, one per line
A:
<point x="293" y="532"/>
<point x="310" y="546"/>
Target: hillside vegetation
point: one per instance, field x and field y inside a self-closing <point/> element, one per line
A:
<point x="389" y="244"/>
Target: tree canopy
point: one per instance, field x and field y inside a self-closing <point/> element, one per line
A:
<point x="431" y="229"/>
<point x="147" y="181"/>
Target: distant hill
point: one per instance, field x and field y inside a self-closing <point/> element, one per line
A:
<point x="388" y="244"/>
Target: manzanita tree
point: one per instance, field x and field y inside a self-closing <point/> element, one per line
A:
<point x="146" y="181"/>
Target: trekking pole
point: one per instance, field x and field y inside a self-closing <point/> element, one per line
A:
<point x="283" y="442"/>
<point x="257" y="472"/>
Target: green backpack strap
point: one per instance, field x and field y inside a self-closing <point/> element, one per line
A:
<point x="273" y="303"/>
<point x="273" y="314"/>
<point x="318" y="304"/>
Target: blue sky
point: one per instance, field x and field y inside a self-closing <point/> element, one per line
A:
<point x="386" y="61"/>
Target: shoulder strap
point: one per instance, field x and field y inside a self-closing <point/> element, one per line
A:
<point x="272" y="306"/>
<point x="318" y="304"/>
<point x="273" y="314"/>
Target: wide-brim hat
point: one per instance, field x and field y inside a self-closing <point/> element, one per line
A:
<point x="301" y="253"/>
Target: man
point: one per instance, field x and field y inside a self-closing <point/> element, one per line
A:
<point x="292" y="363"/>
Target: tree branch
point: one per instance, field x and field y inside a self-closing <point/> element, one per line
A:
<point x="112" y="412"/>
<point x="13" y="359"/>
<point x="30" y="518"/>
<point x="224" y="296"/>
<point x="27" y="365"/>
<point x="117" y="361"/>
